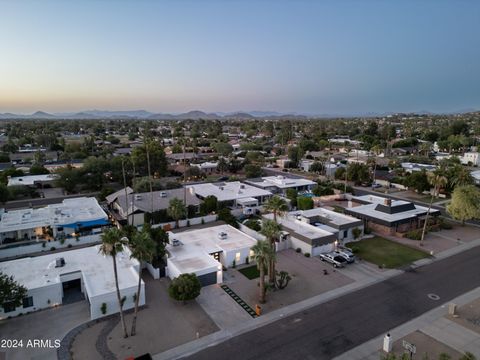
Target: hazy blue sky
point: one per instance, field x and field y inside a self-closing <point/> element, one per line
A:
<point x="292" y="56"/>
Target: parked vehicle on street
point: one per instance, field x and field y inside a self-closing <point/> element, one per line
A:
<point x="336" y="260"/>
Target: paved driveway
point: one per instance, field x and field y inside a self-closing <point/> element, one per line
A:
<point x="51" y="324"/>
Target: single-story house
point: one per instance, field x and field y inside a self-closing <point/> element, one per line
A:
<point x="344" y="225"/>
<point x="311" y="239"/>
<point x="205" y="252"/>
<point x="55" y="279"/>
<point x="280" y="184"/>
<point x="234" y="194"/>
<point x="72" y="217"/>
<point x="389" y="216"/>
<point x="136" y="205"/>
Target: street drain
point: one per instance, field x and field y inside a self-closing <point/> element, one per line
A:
<point x="433" y="297"/>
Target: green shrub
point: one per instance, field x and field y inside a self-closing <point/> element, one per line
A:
<point x="103" y="308"/>
<point x="185" y="287"/>
<point x="307" y="254"/>
<point x="414" y="234"/>
<point x="53" y="248"/>
<point x="69" y="246"/>
<point x="356" y="233"/>
<point x="298" y="250"/>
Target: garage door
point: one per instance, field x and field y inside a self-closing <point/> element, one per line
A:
<point x="208" y="279"/>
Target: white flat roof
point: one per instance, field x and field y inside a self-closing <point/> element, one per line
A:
<point x="334" y="217"/>
<point x="196" y="246"/>
<point x="70" y="211"/>
<point x="30" y="180"/>
<point x="96" y="269"/>
<point x="301" y="227"/>
<point x="228" y="191"/>
<point x="281" y="182"/>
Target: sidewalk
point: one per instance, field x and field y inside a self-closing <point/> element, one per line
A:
<point x="363" y="281"/>
<point x="432" y="323"/>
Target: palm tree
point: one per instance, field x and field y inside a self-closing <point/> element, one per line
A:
<point x="143" y="249"/>
<point x="262" y="253"/>
<point x="437" y="180"/>
<point x="271" y="230"/>
<point x="276" y="205"/>
<point x="176" y="210"/>
<point x="462" y="176"/>
<point x="112" y="244"/>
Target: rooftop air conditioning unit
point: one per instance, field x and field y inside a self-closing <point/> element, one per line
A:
<point x="59" y="262"/>
<point x="221" y="187"/>
<point x="176" y="242"/>
<point x="242" y="186"/>
<point x="163" y="194"/>
<point x="138" y="197"/>
<point x="222" y="235"/>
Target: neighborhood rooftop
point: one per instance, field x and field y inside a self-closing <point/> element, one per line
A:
<point x="96" y="269"/>
<point x="228" y="191"/>
<point x="31" y="180"/>
<point x="84" y="211"/>
<point x="280" y="181"/>
<point x="161" y="200"/>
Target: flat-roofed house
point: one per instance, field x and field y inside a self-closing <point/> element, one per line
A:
<point x="344" y="225"/>
<point x="280" y="184"/>
<point x="205" y="252"/>
<point x="75" y="275"/>
<point x="72" y="217"/>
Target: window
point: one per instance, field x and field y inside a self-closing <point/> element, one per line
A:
<point x="28" y="302"/>
<point x="237" y="257"/>
<point x="8" y="306"/>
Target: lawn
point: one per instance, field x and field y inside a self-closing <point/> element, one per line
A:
<point x="250" y="272"/>
<point x="386" y="253"/>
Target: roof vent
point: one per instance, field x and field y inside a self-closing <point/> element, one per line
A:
<point x="222" y="235"/>
<point x="242" y="186"/>
<point x="138" y="197"/>
<point x="387" y="202"/>
<point x="176" y="242"/>
<point x="59" y="262"/>
<point x="163" y="194"/>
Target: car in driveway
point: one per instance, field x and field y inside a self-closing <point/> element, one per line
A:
<point x="346" y="254"/>
<point x="336" y="260"/>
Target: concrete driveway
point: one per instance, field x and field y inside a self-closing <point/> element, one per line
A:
<point x="52" y="324"/>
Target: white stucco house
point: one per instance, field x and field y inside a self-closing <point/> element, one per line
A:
<point x="205" y="252"/>
<point x="75" y="275"/>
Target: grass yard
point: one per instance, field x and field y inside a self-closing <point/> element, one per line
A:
<point x="250" y="272"/>
<point x="385" y="252"/>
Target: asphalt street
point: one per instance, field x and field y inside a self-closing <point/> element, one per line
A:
<point x="329" y="329"/>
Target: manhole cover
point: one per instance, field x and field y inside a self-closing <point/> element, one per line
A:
<point x="433" y="296"/>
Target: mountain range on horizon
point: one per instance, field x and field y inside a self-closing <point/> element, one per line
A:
<point x="196" y="115"/>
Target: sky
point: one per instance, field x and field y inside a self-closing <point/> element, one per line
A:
<point x="312" y="57"/>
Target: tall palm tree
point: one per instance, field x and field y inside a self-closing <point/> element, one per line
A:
<point x="176" y="210"/>
<point x="271" y="230"/>
<point x="437" y="180"/>
<point x="112" y="244"/>
<point x="262" y="253"/>
<point x="276" y="205"/>
<point x="143" y="249"/>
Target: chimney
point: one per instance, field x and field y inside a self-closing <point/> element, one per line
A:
<point x="387" y="202"/>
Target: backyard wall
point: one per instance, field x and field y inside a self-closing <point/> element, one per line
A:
<point x="37" y="247"/>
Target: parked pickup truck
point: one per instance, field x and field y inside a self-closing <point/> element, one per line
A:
<point x="336" y="260"/>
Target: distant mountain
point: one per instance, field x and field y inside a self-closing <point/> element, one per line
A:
<point x="41" y="115"/>
<point x="191" y="115"/>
